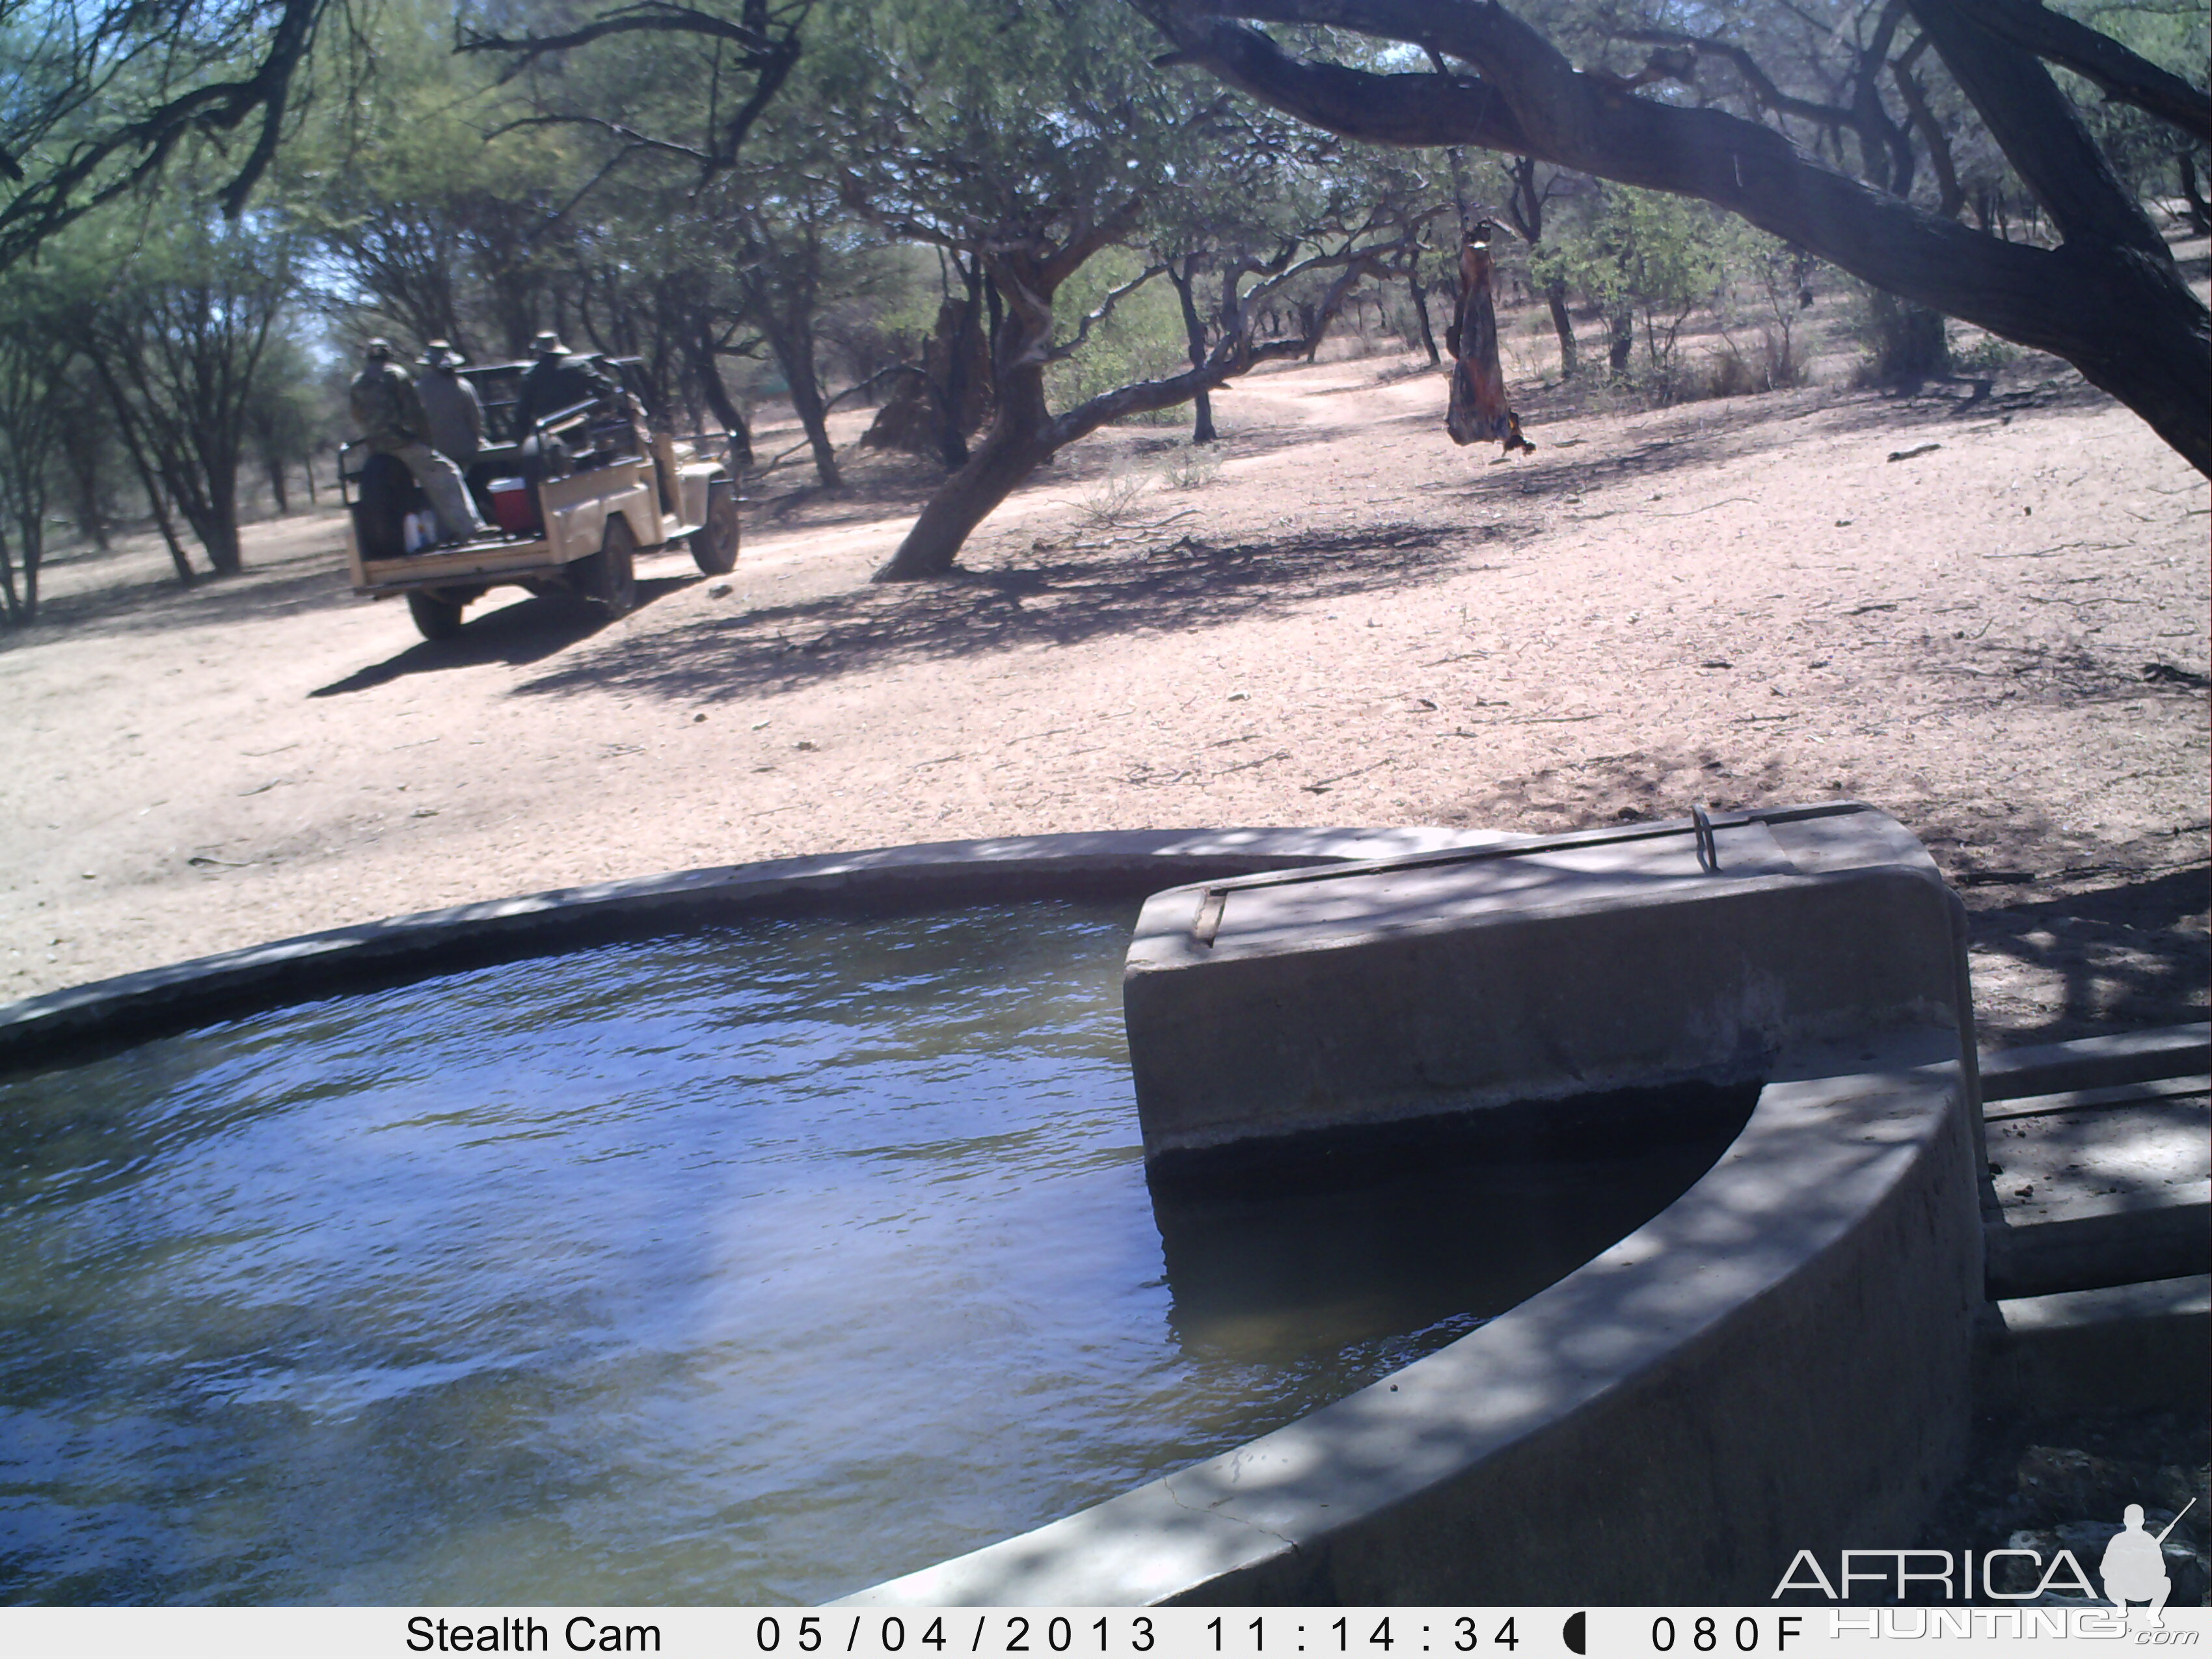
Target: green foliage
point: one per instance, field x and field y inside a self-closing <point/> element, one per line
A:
<point x="1987" y="355"/>
<point x="1641" y="257"/>
<point x="35" y="354"/>
<point x="1190" y="467"/>
<point x="1142" y="339"/>
<point x="177" y="319"/>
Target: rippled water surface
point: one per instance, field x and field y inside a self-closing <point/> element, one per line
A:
<point x="755" y="1265"/>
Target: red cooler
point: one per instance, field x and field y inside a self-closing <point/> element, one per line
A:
<point x="514" y="506"/>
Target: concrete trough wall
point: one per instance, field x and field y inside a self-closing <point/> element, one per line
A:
<point x="135" y="1006"/>
<point x="1781" y="1359"/>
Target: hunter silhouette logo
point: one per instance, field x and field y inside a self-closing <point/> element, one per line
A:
<point x="2134" y="1567"/>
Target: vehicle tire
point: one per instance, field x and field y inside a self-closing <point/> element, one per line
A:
<point x="608" y="578"/>
<point x="436" y="617"/>
<point x="388" y="493"/>
<point x="714" y="544"/>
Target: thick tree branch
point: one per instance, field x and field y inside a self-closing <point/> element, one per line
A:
<point x="1950" y="197"/>
<point x="648" y="16"/>
<point x="2099" y="59"/>
<point x="95" y="171"/>
<point x="1762" y="86"/>
<point x="766" y="48"/>
<point x="2039" y="132"/>
<point x="1328" y="96"/>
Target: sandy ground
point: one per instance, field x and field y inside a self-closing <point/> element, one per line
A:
<point x="2001" y="640"/>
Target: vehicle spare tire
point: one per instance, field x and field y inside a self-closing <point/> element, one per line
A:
<point x="387" y="495"/>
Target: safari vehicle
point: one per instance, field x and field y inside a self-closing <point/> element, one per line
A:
<point x="572" y="502"/>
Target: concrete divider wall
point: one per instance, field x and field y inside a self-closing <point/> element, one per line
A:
<point x="1632" y="993"/>
<point x="1312" y="1004"/>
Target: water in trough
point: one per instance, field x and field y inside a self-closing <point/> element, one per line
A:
<point x="755" y="1264"/>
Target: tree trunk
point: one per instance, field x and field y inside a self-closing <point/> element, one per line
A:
<point x="33" y="554"/>
<point x="793" y="346"/>
<point x="1019" y="439"/>
<point x="185" y="575"/>
<point x="708" y="373"/>
<point x="275" y="462"/>
<point x="1421" y="315"/>
<point x="1910" y="344"/>
<point x="134" y="444"/>
<point x="203" y="483"/>
<point x="1201" y="430"/>
<point x="953" y="435"/>
<point x="1024" y="433"/>
<point x="81" y="444"/>
<point x="2200" y="212"/>
<point x="1563" y="325"/>
<point x="994" y="471"/>
<point x="218" y="536"/>
<point x="1621" y="340"/>
<point x="10" y="607"/>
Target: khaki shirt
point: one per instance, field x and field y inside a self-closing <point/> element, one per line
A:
<point x="387" y="409"/>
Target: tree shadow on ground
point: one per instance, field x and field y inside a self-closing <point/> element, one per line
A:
<point x="880" y="485"/>
<point x="516" y="635"/>
<point x="1653" y="458"/>
<point x="2071" y="934"/>
<point x="1702" y="433"/>
<point x="2128" y="954"/>
<point x="1190" y="584"/>
<point x="310" y="579"/>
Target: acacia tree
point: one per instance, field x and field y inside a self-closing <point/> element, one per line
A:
<point x="1024" y="141"/>
<point x="1529" y="189"/>
<point x="34" y="355"/>
<point x="434" y="223"/>
<point x="794" y="247"/>
<point x="177" y="336"/>
<point x="2107" y="298"/>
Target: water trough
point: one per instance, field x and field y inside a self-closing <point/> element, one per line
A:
<point x="1779" y="1358"/>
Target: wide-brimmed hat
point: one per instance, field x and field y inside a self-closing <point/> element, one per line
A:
<point x="548" y="345"/>
<point x="440" y="354"/>
<point x="377" y="350"/>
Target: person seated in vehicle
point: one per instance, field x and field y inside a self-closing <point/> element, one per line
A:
<point x="393" y="421"/>
<point x="560" y="380"/>
<point x="457" y="416"/>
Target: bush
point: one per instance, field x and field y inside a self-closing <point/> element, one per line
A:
<point x="1190" y="468"/>
<point x="1987" y="355"/>
<point x="1768" y="365"/>
<point x="1905" y="342"/>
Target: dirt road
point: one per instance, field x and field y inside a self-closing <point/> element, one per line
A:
<point x="1989" y="618"/>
